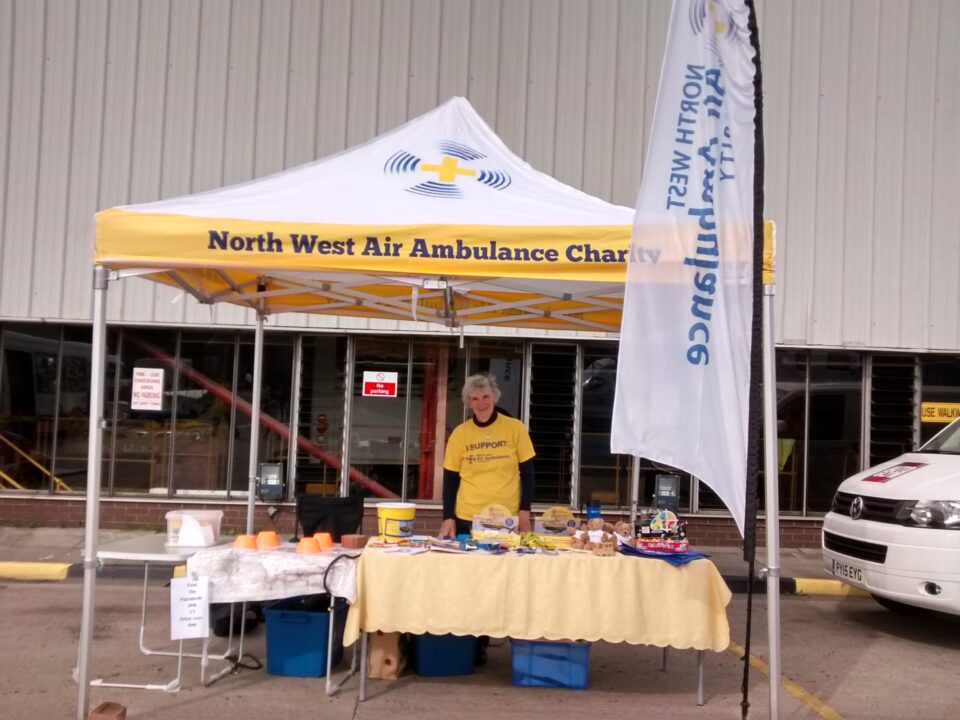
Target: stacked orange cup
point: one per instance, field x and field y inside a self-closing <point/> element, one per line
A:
<point x="267" y="540"/>
<point x="245" y="542"/>
<point x="325" y="540"/>
<point x="308" y="545"/>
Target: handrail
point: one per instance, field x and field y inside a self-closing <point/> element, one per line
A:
<point x="60" y="483"/>
<point x="10" y="480"/>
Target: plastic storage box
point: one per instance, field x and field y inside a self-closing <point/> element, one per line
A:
<point x="297" y="635"/>
<point x="550" y="664"/>
<point x="194" y="528"/>
<point x="438" y="655"/>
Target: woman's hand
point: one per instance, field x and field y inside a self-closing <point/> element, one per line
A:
<point x="523" y="521"/>
<point x="448" y="529"/>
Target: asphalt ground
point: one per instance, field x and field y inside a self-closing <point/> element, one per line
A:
<point x="841" y="657"/>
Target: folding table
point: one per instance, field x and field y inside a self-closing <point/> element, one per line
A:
<point x="238" y="575"/>
<point x="151" y="549"/>
<point x="568" y="596"/>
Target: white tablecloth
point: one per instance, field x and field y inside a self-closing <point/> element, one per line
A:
<point x="241" y="575"/>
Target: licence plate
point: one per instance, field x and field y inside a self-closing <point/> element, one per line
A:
<point x="847" y="571"/>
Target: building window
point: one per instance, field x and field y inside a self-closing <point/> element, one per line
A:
<point x="322" y="366"/>
<point x="939" y="393"/>
<point x="141" y="440"/>
<point x="553" y="374"/>
<point x="791" y="429"/>
<point x="42" y="403"/>
<point x="604" y="477"/>
<point x="275" y="396"/>
<point x="380" y="424"/>
<point x="834" y="425"/>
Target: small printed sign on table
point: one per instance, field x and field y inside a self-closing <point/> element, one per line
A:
<point x="189" y="608"/>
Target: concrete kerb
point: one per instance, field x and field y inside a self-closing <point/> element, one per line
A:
<point x="34" y="571"/>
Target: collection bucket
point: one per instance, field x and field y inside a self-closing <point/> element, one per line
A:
<point x="395" y="521"/>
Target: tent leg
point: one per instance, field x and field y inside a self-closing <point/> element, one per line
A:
<point x="255" y="420"/>
<point x="94" y="465"/>
<point x="772" y="487"/>
<point x="634" y="491"/>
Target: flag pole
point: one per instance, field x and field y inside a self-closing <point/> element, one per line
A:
<point x="764" y="253"/>
<point x="772" y="506"/>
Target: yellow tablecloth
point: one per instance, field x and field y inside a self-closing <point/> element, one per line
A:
<point x="571" y="596"/>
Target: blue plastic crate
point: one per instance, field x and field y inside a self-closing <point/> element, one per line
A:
<point x="439" y="655"/>
<point x="297" y="637"/>
<point x="550" y="664"/>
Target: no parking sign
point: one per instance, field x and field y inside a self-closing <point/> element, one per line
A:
<point x="379" y="384"/>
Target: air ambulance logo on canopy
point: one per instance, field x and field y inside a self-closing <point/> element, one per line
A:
<point x="458" y="163"/>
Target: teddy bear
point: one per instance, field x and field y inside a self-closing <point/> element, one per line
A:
<point x="624" y="532"/>
<point x="595" y="538"/>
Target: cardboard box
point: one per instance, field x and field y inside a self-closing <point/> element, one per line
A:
<point x="108" y="711"/>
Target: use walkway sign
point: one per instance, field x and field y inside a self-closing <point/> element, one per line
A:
<point x="939" y="412"/>
<point x="379" y="384"/>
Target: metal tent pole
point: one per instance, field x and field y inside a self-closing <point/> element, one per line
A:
<point x="772" y="486"/>
<point x="634" y="491"/>
<point x="94" y="466"/>
<point x="255" y="418"/>
<point x="347" y="418"/>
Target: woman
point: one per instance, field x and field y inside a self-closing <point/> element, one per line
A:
<point x="489" y="459"/>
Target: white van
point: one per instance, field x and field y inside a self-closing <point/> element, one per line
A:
<point x="894" y="530"/>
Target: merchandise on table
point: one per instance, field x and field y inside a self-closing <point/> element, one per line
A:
<point x="193" y="528"/>
<point x="308" y="545"/>
<point x="556" y="520"/>
<point x="267" y="540"/>
<point x="659" y="545"/>
<point x="324" y="540"/>
<point x="664" y="521"/>
<point x="496" y="524"/>
<point x="664" y="533"/>
<point x="245" y="542"/>
<point x="597" y="537"/>
<point x="354" y="542"/>
<point x="395" y="520"/>
<point x="543" y="540"/>
<point x="554" y="529"/>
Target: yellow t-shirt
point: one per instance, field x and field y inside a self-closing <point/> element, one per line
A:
<point x="488" y="460"/>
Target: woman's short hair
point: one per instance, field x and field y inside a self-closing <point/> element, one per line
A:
<point x="480" y="382"/>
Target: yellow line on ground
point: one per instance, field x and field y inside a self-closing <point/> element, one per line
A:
<point x="33" y="570"/>
<point x="807" y="698"/>
<point x="817" y="586"/>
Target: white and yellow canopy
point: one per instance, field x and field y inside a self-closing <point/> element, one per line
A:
<point x="435" y="220"/>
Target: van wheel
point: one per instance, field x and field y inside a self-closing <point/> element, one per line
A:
<point x="897" y="607"/>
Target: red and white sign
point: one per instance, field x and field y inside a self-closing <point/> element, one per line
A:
<point x="379" y="384"/>
<point x="147" y="393"/>
<point x="891" y="472"/>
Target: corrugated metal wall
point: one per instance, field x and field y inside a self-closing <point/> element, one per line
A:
<point x="106" y="103"/>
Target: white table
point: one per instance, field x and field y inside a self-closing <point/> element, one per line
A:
<point x="152" y="550"/>
<point x="257" y="575"/>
